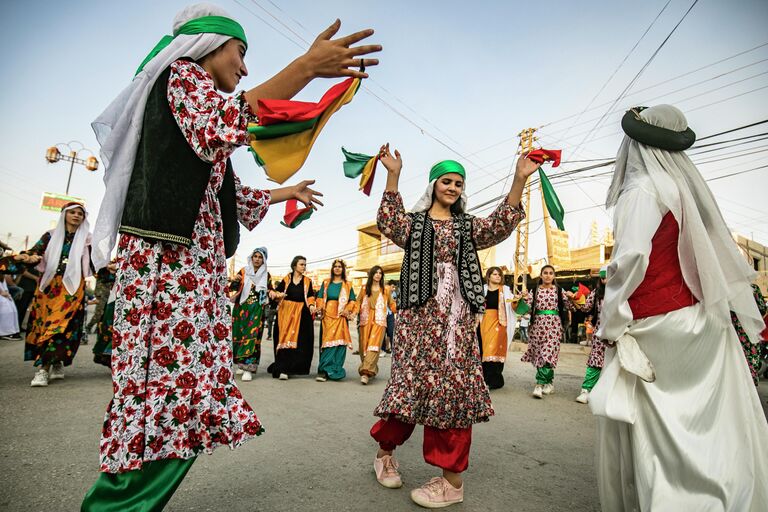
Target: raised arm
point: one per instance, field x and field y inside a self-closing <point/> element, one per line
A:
<point x="391" y="219"/>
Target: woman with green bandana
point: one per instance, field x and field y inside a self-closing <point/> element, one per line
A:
<point x="176" y="203"/>
<point x="437" y="379"/>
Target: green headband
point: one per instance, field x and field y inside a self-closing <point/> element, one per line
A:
<point x="203" y="25"/>
<point x="446" y="167"/>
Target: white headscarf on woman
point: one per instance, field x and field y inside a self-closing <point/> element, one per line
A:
<point x="118" y="128"/>
<point x="78" y="259"/>
<point x="712" y="266"/>
<point x="255" y="278"/>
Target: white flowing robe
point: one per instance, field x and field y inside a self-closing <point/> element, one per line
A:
<point x="694" y="439"/>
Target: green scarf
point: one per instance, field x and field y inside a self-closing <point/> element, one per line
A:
<point x="445" y="167"/>
<point x="203" y="25"/>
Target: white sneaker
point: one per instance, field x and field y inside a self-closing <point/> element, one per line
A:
<point x="319" y="378"/>
<point x="239" y="371"/>
<point x="583" y="397"/>
<point x="364" y="380"/>
<point x="382" y="354"/>
<point x="283" y="376"/>
<point x="537" y="391"/>
<point x="247" y="376"/>
<point x="549" y="389"/>
<point x="40" y="380"/>
<point x="57" y="372"/>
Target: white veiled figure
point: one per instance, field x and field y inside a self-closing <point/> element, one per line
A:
<point x="696" y="437"/>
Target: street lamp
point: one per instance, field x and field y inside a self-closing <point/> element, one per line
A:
<point x="53" y="155"/>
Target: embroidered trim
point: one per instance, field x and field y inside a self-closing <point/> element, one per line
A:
<point x="494" y="359"/>
<point x="156" y="235"/>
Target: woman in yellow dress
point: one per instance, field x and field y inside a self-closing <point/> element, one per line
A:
<point x="373" y="302"/>
<point x="496" y="328"/>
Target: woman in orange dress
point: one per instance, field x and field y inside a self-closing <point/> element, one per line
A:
<point x="373" y="302"/>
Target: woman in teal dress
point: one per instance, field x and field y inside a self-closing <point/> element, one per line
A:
<point x="336" y="303"/>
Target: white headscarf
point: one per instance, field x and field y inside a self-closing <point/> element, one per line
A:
<point x="712" y="266"/>
<point x="118" y="128"/>
<point x="78" y="256"/>
<point x="425" y="202"/>
<point x="256" y="278"/>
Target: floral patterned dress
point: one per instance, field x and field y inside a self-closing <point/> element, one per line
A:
<point x="751" y="350"/>
<point x="174" y="391"/>
<point x="597" y="354"/>
<point x="248" y="327"/>
<point x="55" y="324"/>
<point x="546" y="331"/>
<point x="437" y="379"/>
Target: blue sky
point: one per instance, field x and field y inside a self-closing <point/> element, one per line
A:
<point x="472" y="74"/>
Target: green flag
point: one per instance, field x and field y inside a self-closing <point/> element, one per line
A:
<point x="551" y="200"/>
<point x="354" y="163"/>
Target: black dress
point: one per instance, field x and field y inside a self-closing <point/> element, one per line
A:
<point x="295" y="361"/>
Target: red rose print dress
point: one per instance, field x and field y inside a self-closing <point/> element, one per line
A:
<point x="546" y="331"/>
<point x="437" y="378"/>
<point x="597" y="354"/>
<point x="174" y="392"/>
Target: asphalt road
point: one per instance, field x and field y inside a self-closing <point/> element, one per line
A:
<point x="316" y="453"/>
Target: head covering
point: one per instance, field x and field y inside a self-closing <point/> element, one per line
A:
<point x="712" y="266"/>
<point x="118" y="128"/>
<point x="604" y="272"/>
<point x="255" y="278"/>
<point x="440" y="169"/>
<point x="74" y="272"/>
<point x="650" y="134"/>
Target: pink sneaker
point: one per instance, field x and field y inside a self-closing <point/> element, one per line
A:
<point x="437" y="493"/>
<point x="386" y="472"/>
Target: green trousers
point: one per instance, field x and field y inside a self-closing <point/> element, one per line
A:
<point x="143" y="490"/>
<point x="590" y="378"/>
<point x="545" y="375"/>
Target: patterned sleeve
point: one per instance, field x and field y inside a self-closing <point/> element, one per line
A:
<point x="252" y="204"/>
<point x="568" y="303"/>
<point x="528" y="298"/>
<point x="497" y="227"/>
<point x="392" y="220"/>
<point x="759" y="299"/>
<point x="213" y="125"/>
<point x="41" y="245"/>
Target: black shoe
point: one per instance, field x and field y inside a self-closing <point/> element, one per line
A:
<point x="11" y="337"/>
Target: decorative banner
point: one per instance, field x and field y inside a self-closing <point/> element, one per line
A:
<point x="552" y="201"/>
<point x="53" y="202"/>
<point x="545" y="155"/>
<point x="294" y="215"/>
<point x="358" y="164"/>
<point x="287" y="129"/>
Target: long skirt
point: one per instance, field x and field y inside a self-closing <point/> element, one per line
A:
<point x="9" y="321"/>
<point x="697" y="437"/>
<point x="247" y="326"/>
<point x="370" y="337"/>
<point x="295" y="361"/>
<point x="102" y="350"/>
<point x="332" y="362"/>
<point x="55" y="324"/>
<point x="492" y="338"/>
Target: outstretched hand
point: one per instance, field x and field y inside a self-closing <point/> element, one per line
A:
<point x="306" y="195"/>
<point x="330" y="58"/>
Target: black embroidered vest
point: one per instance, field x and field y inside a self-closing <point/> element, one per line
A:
<point x="418" y="275"/>
<point x="169" y="181"/>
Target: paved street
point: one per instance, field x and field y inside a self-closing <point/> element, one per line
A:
<point x="534" y="455"/>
